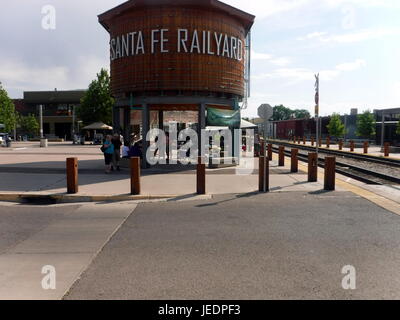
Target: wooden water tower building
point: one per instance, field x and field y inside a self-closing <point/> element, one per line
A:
<point x="174" y="59"/>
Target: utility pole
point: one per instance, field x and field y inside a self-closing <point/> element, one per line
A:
<point x="41" y="120"/>
<point x="317" y="111"/>
<point x="383" y="130"/>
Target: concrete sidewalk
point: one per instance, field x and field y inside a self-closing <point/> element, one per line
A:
<point x="66" y="238"/>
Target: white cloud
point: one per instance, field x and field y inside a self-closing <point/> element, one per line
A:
<point x="260" y="56"/>
<point x="17" y="76"/>
<point x="312" y="36"/>
<point x="277" y="61"/>
<point x="352" y="37"/>
<point x="293" y="75"/>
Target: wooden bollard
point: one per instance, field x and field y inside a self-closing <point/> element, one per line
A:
<point x="312" y="141"/>
<point x="366" y="145"/>
<point x="201" y="176"/>
<point x="72" y="175"/>
<point x="262" y="149"/>
<point x="386" y="149"/>
<point x="351" y="146"/>
<point x="294" y="160"/>
<point x="312" y="167"/>
<point x="330" y="167"/>
<point x="294" y="139"/>
<point x="270" y="151"/>
<point x="320" y="142"/>
<point x="304" y="140"/>
<point x="328" y="142"/>
<point x="340" y="145"/>
<point x="135" y="175"/>
<point x="281" y="156"/>
<point x="263" y="175"/>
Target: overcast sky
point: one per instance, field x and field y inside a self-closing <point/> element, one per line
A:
<point x="354" y="44"/>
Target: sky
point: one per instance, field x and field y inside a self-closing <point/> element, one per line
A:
<point x="353" y="44"/>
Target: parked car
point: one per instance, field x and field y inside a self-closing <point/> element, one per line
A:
<point x="5" y="140"/>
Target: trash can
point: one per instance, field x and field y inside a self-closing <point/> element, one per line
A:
<point x="44" y="143"/>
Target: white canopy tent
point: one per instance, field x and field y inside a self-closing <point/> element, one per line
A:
<point x="98" y="126"/>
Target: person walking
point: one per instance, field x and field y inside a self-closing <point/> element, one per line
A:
<point x="116" y="141"/>
<point x="108" y="150"/>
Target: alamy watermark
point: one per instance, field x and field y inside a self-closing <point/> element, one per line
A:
<point x="349" y="280"/>
<point x="49" y="17"/>
<point x="49" y="280"/>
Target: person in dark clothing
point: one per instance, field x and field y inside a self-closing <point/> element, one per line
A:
<point x="116" y="141"/>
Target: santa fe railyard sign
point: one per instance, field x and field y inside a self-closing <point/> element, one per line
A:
<point x="198" y="42"/>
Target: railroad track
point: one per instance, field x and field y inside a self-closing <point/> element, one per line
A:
<point x="351" y="171"/>
<point x="365" y="157"/>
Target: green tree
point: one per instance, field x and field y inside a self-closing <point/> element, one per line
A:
<point x="29" y="125"/>
<point x="366" y="125"/>
<point x="281" y="113"/>
<point x="336" y="127"/>
<point x="97" y="104"/>
<point x="301" y="114"/>
<point x="7" y="111"/>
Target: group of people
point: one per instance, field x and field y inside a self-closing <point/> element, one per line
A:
<point x="112" y="150"/>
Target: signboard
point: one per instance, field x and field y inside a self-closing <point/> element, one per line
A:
<point x="265" y="111"/>
<point x="223" y="118"/>
<point x="196" y="41"/>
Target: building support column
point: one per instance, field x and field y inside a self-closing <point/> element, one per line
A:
<point x="145" y="130"/>
<point x="201" y="126"/>
<point x="127" y="123"/>
<point x="161" y="120"/>
<point x="116" y="119"/>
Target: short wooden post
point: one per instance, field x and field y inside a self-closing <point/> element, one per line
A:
<point x="328" y="142"/>
<point x="294" y="139"/>
<point x="72" y="175"/>
<point x="312" y="167"/>
<point x="201" y="176"/>
<point x="330" y="167"/>
<point x="312" y="141"/>
<point x="281" y="156"/>
<point x="386" y="149"/>
<point x="340" y="145"/>
<point x="366" y="145"/>
<point x="270" y="151"/>
<point x="135" y="175"/>
<point x="262" y="148"/>
<point x="294" y="160"/>
<point x="351" y="146"/>
<point x="304" y="140"/>
<point x="263" y="175"/>
<point x="320" y="142"/>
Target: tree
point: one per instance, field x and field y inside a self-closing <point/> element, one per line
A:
<point x="366" y="125"/>
<point x="281" y="113"/>
<point x="336" y="127"/>
<point x="7" y="111"/>
<point x="301" y="114"/>
<point x="97" y="104"/>
<point x="29" y="124"/>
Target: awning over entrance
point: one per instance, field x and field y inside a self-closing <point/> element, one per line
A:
<point x="98" y="126"/>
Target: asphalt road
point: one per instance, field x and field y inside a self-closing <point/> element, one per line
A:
<point x="276" y="246"/>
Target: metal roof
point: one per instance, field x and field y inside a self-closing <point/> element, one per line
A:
<point x="246" y="18"/>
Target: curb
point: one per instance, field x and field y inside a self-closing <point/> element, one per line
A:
<point x="69" y="198"/>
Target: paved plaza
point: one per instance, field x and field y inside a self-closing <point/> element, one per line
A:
<point x="233" y="243"/>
